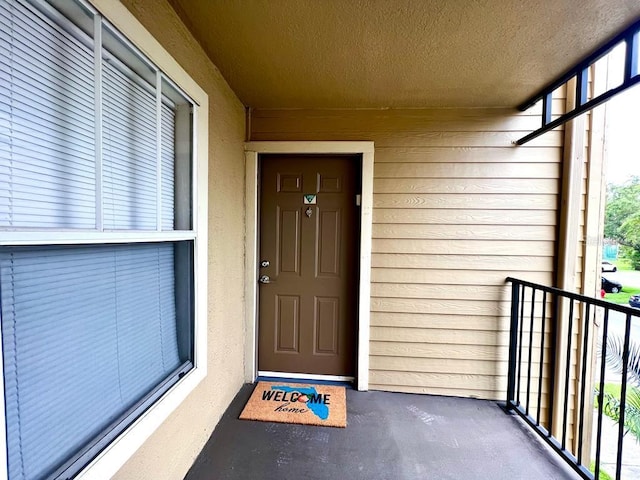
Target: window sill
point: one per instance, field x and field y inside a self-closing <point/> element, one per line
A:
<point x="107" y="464"/>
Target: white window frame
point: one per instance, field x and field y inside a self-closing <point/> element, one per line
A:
<point x="112" y="458"/>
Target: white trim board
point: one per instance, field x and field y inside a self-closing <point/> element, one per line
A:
<point x="252" y="151"/>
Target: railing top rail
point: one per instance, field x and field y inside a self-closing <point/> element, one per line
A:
<point x="576" y="296"/>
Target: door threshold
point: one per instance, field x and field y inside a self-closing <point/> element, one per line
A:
<point x="304" y="377"/>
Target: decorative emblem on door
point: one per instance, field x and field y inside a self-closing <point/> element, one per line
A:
<point x="309" y="212"/>
<point x="309" y="199"/>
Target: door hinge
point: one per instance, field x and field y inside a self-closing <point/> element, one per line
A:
<point x="358" y="200"/>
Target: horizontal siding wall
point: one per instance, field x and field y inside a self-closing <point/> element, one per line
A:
<point x="457" y="209"/>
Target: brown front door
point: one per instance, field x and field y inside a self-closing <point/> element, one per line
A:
<point x="309" y="235"/>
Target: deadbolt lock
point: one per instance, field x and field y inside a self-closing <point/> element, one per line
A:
<point x="264" y="264"/>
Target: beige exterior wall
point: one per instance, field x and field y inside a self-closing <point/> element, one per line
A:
<point x="457" y="209"/>
<point x="171" y="450"/>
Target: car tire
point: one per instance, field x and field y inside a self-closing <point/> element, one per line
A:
<point x="615" y="269"/>
<point x="615" y="289"/>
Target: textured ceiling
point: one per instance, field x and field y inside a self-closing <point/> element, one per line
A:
<point x="398" y="53"/>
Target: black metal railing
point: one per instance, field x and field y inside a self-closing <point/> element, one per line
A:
<point x="558" y="371"/>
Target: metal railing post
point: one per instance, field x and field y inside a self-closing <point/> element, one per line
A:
<point x="513" y="347"/>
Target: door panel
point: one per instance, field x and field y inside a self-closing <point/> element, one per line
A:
<point x="307" y="312"/>
<point x="288" y="240"/>
<point x="329" y="243"/>
<point x="287" y="323"/>
<point x="326" y="325"/>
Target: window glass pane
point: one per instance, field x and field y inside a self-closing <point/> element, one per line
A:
<point x="613" y="64"/>
<point x="92" y="335"/>
<point x="168" y="164"/>
<point x="177" y="135"/>
<point x="636" y="55"/>
<point x="47" y="159"/>
<point x="129" y="142"/>
<point x="87" y="333"/>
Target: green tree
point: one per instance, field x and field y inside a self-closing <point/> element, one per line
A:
<point x="622" y="218"/>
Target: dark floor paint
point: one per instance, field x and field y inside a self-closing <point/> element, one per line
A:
<point x="388" y="436"/>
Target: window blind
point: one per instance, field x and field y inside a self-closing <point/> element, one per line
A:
<point x="87" y="332"/>
<point x="47" y="132"/>
<point x="47" y="159"/>
<point x="92" y="335"/>
<point x="168" y="166"/>
<point x="129" y="152"/>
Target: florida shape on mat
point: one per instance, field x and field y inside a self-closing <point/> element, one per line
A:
<point x="298" y="400"/>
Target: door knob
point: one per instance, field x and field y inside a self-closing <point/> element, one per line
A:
<point x="264" y="279"/>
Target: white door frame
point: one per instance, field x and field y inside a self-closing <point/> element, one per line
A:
<point x="252" y="151"/>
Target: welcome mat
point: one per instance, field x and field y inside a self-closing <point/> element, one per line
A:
<point x="297" y="403"/>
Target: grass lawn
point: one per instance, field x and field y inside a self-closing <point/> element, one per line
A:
<point x="612" y="389"/>
<point x="623" y="264"/>
<point x="603" y="475"/>
<point x="622" y="298"/>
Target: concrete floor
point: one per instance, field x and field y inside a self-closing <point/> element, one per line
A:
<point x="388" y="436"/>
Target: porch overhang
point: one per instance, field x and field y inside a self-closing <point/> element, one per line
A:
<point x="401" y="54"/>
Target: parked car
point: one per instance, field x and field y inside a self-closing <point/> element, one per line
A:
<point x="611" y="286"/>
<point x="634" y="301"/>
<point x="608" y="267"/>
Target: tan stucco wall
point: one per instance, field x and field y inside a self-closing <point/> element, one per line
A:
<point x="171" y="450"/>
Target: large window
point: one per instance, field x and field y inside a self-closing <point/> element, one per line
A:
<point x="97" y="235"/>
